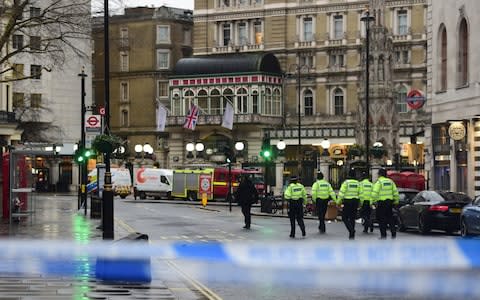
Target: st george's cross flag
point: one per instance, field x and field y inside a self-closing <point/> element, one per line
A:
<point x="191" y="118"/>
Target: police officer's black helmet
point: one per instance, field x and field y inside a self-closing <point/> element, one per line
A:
<point x="364" y="175"/>
<point x="382" y="172"/>
<point x="293" y="178"/>
<point x="319" y="175"/>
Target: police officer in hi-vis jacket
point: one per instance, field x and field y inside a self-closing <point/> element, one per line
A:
<point x="349" y="195"/>
<point x="296" y="195"/>
<point x="322" y="193"/>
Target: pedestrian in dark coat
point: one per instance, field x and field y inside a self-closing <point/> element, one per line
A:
<point x="247" y="195"/>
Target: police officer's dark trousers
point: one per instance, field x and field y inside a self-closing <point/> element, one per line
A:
<point x="385" y="217"/>
<point x="296" y="212"/>
<point x="247" y="214"/>
<point x="349" y="214"/>
<point x="367" y="216"/>
<point x="321" y="207"/>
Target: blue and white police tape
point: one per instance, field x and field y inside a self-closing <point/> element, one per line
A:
<point x="429" y="266"/>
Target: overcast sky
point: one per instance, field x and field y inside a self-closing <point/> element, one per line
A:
<point x="173" y="3"/>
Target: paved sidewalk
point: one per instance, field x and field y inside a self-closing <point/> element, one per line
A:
<point x="56" y="217"/>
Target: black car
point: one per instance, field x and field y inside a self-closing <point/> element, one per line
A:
<point x="406" y="195"/>
<point x="433" y="210"/>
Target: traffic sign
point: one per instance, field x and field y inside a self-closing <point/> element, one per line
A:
<point x="101" y="110"/>
<point x="415" y="99"/>
<point x="205" y="183"/>
<point x="93" y="123"/>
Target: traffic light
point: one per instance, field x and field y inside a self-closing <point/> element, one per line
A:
<point x="267" y="152"/>
<point x="82" y="155"/>
<point x="229" y="154"/>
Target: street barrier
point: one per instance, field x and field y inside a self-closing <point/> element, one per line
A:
<point x="428" y="267"/>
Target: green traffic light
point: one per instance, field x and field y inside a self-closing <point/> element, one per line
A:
<point x="80" y="159"/>
<point x="88" y="153"/>
<point x="267" y="154"/>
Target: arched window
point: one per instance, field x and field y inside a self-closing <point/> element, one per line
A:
<point x="256" y="109"/>
<point x="443" y="58"/>
<point x="277" y="111"/>
<point x="463" y="53"/>
<point x="124" y="118"/>
<point x="401" y="99"/>
<point x="176" y="105"/>
<point x="338" y="104"/>
<point x="188" y="100"/>
<point x="268" y="102"/>
<point x="242" y="103"/>
<point x="215" y="103"/>
<point x="228" y="96"/>
<point x="308" y="103"/>
<point x="202" y="99"/>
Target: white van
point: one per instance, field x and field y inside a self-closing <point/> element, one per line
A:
<point x="121" y="182"/>
<point x="152" y="182"/>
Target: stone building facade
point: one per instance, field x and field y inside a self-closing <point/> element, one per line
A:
<point x="145" y="44"/>
<point x="319" y="46"/>
<point x="453" y="87"/>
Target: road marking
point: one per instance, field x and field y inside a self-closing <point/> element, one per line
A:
<point x="124" y="225"/>
<point x="209" y="294"/>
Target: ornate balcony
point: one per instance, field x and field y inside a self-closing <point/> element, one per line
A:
<point x="237" y="119"/>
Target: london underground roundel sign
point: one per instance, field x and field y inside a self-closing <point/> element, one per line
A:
<point x="415" y="99"/>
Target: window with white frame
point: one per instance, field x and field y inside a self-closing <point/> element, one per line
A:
<point x="202" y="100"/>
<point x="226" y="30"/>
<point x="34" y="12"/>
<point x="176" y="104"/>
<point x="257" y="29"/>
<point x="163" y="59"/>
<point x="255" y="108"/>
<point x="242" y="33"/>
<point x="123" y="61"/>
<point x="277" y="100"/>
<point x="338" y="27"/>
<point x="215" y="102"/>
<point x="402" y="56"/>
<point x="337" y="60"/>
<point x="163" y="34"/>
<point x="401" y="99"/>
<point x="124" y="118"/>
<point x="124" y="36"/>
<point x="307" y="29"/>
<point x="402" y="22"/>
<point x="189" y="98"/>
<point x="308" y="103"/>
<point x="124" y="91"/>
<point x="307" y="60"/>
<point x="338" y="102"/>
<point x="268" y="101"/>
<point x="228" y="97"/>
<point x="242" y="102"/>
<point x="162" y="88"/>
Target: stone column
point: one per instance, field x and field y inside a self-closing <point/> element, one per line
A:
<point x="278" y="188"/>
<point x="325" y="163"/>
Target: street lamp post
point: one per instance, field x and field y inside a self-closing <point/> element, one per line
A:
<point x="367" y="19"/>
<point x="107" y="203"/>
<point x="298" y="68"/>
<point x="83" y="167"/>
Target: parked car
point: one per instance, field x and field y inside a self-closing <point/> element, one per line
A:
<point x="470" y="218"/>
<point x="433" y="210"/>
<point x="406" y="195"/>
